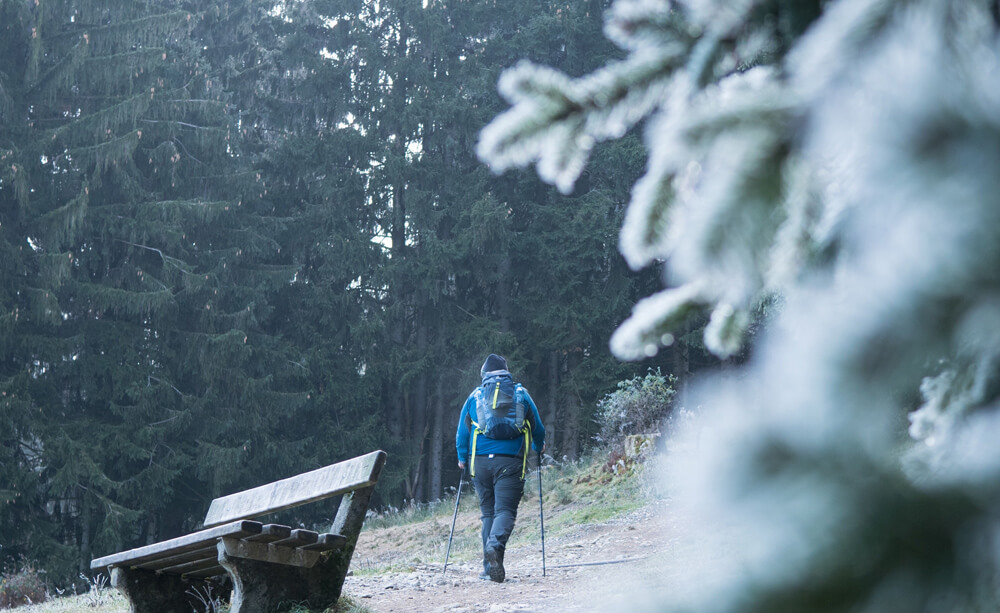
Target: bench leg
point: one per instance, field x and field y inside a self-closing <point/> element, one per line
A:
<point x="350" y="517"/>
<point x="148" y="592"/>
<point x="263" y="587"/>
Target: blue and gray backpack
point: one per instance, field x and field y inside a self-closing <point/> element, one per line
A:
<point x="500" y="412"/>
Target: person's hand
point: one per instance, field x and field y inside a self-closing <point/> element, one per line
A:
<point x="461" y="465"/>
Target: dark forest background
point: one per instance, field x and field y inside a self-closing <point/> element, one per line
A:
<point x="247" y="239"/>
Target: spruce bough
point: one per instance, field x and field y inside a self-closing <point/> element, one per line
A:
<point x="839" y="162"/>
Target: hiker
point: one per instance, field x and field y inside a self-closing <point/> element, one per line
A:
<point x="500" y="421"/>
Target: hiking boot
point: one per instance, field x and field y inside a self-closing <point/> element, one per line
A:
<point x="485" y="576"/>
<point x="494" y="558"/>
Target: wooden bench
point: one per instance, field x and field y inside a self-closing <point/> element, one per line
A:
<point x="268" y="564"/>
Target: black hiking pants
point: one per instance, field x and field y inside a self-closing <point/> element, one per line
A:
<point x="499" y="486"/>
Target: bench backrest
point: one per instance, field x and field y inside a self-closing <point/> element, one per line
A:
<point x="318" y="484"/>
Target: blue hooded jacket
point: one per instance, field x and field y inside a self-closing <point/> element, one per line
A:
<point x="486" y="445"/>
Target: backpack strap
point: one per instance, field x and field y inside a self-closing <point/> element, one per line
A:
<point x="527" y="446"/>
<point x="475" y="433"/>
<point x="472" y="454"/>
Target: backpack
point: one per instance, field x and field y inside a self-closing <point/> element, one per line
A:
<point x="500" y="408"/>
<point x="500" y="414"/>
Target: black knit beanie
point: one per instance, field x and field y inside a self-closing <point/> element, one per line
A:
<point x="493" y="362"/>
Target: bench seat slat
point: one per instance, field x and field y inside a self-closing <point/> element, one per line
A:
<point x="318" y="484"/>
<point x="270" y="533"/>
<point x="297" y="538"/>
<point x="292" y="556"/>
<point x="192" y="566"/>
<point x="326" y="542"/>
<point x="202" y="553"/>
<point x="213" y="571"/>
<point x="179" y="545"/>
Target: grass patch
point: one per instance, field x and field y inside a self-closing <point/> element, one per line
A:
<point x="115" y="603"/>
<point x="111" y="601"/>
<point x="582" y="492"/>
<point x="576" y="493"/>
<point x="409" y="514"/>
<point x="346" y="604"/>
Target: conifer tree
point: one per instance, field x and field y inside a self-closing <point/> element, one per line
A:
<point x="836" y="161"/>
<point x="142" y="270"/>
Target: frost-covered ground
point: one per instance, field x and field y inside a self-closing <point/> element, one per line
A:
<point x="649" y="539"/>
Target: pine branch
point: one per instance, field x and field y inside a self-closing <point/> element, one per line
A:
<point x="556" y="121"/>
<point x="171" y="386"/>
<point x="168" y="260"/>
<point x="120" y="301"/>
<point x="182" y="123"/>
<point x="654" y="319"/>
<point x="60" y="74"/>
<point x="186" y="152"/>
<point x="108" y="120"/>
<point x="104" y="155"/>
<point x="639" y="24"/>
<point x="109" y="74"/>
<point x="132" y="33"/>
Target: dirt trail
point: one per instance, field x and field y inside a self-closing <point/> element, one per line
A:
<point x="572" y="583"/>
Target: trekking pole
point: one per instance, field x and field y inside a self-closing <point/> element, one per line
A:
<point x="541" y="513"/>
<point x="453" y="518"/>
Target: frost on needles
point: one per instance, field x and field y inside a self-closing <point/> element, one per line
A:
<point x="841" y="159"/>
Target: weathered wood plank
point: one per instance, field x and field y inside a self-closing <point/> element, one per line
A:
<point x="289" y="556"/>
<point x="325" y="482"/>
<point x="298" y="538"/>
<point x="191" y="567"/>
<point x="213" y="571"/>
<point x="203" y="553"/>
<point x="327" y="542"/>
<point x="182" y="544"/>
<point x="270" y="533"/>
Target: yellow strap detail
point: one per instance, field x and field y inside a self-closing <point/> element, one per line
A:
<point x="472" y="458"/>
<point x="527" y="446"/>
<point x="496" y="391"/>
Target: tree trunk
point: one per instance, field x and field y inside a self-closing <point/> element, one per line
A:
<point x="503" y="292"/>
<point x="571" y="427"/>
<point x="570" y="409"/>
<point x="437" y="442"/>
<point x="85" y="521"/>
<point x="549" y="419"/>
<point x="152" y="531"/>
<point x="421" y="417"/>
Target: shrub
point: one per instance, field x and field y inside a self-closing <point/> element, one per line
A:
<point x="638" y="406"/>
<point x="21" y="587"/>
<point x="99" y="592"/>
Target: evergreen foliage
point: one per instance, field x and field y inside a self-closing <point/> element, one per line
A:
<point x="243" y="240"/>
<point x="142" y="269"/>
<point x="838" y="159"/>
